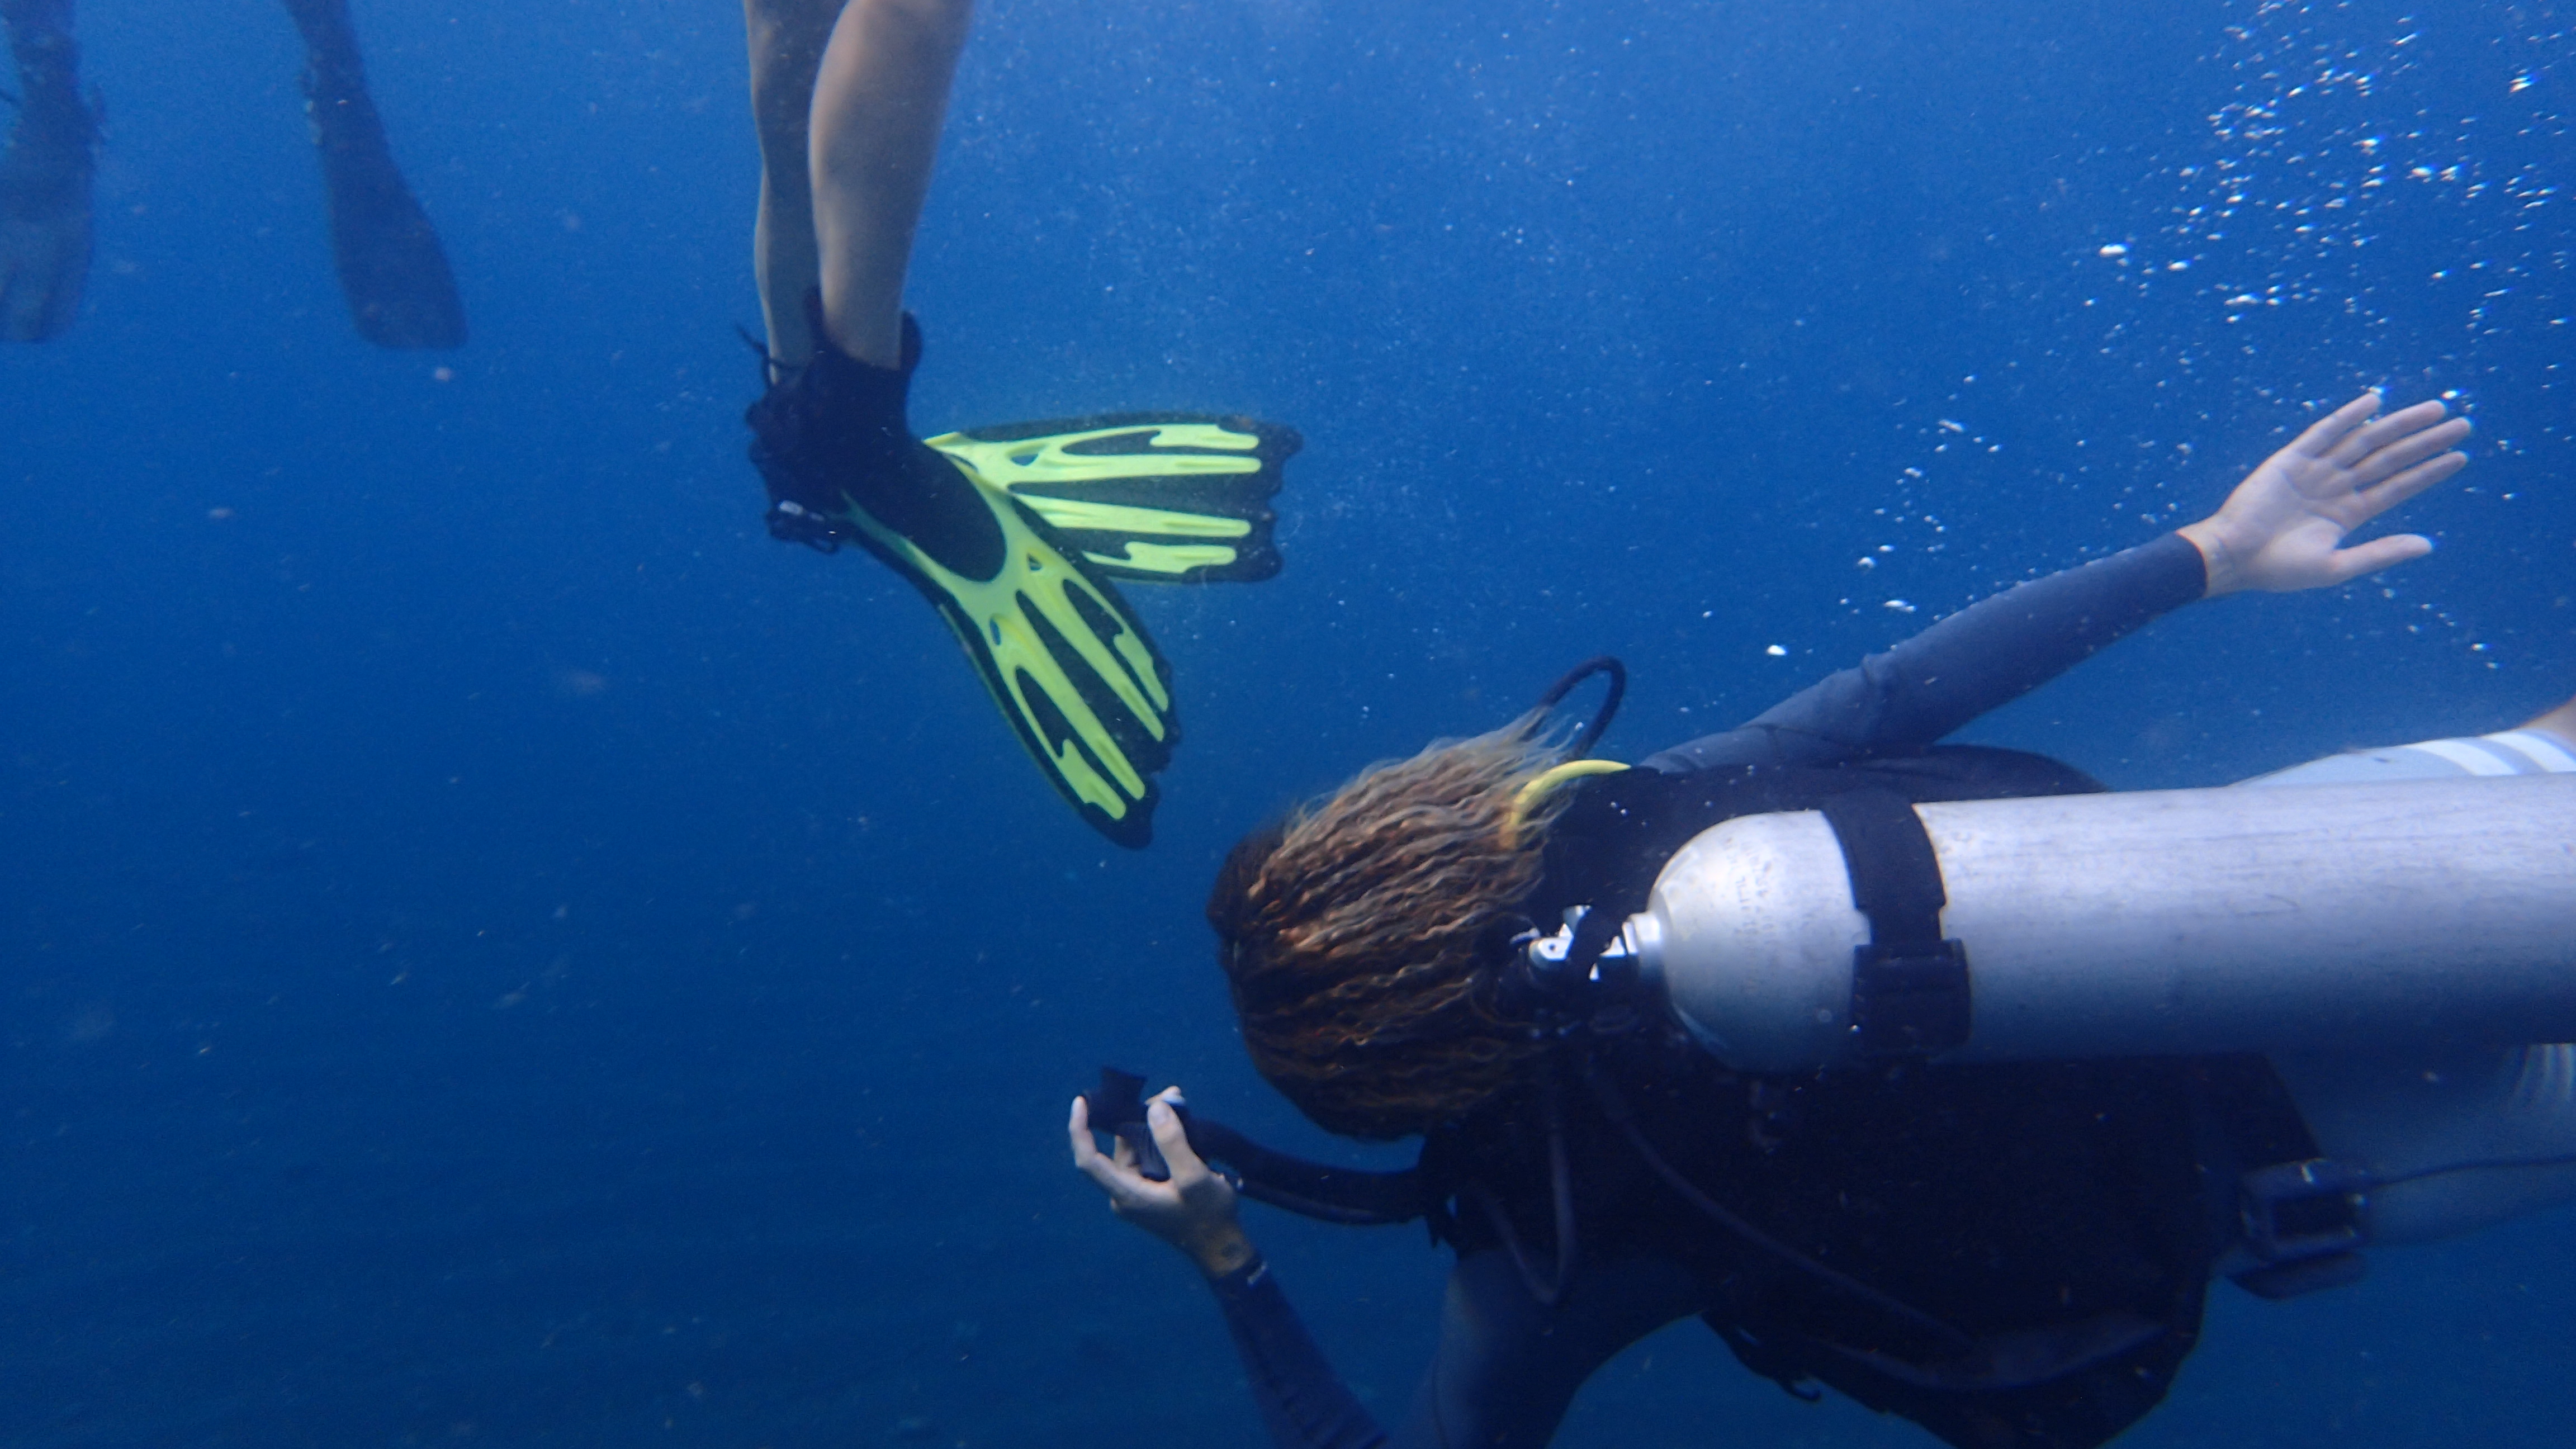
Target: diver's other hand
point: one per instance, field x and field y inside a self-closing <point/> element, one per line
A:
<point x="1193" y="1212"/>
<point x="2283" y="527"/>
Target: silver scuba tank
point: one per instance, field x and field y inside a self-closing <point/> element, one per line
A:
<point x="2181" y="921"/>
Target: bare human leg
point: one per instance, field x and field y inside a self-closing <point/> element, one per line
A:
<point x="878" y="102"/>
<point x="786" y="42"/>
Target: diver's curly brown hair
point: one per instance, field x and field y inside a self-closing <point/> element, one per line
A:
<point x="1354" y="934"/>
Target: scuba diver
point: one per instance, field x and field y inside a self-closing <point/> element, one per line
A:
<point x="1017" y="535"/>
<point x="393" y="273"/>
<point x="1766" y="1072"/>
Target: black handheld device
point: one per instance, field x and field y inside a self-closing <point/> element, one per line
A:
<point x="1117" y="1107"/>
<point x="1331" y="1194"/>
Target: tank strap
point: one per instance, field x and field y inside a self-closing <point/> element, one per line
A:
<point x="1909" y="984"/>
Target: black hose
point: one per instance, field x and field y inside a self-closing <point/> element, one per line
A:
<point x="1609" y="710"/>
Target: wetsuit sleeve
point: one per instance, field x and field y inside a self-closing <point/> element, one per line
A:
<point x="1506" y="1370"/>
<point x="1303" y="1402"/>
<point x="1982" y="657"/>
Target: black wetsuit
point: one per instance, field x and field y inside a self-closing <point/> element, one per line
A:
<point x="2008" y="1255"/>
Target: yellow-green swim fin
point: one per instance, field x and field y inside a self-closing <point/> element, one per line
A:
<point x="1072" y="670"/>
<point x="1157" y="497"/>
<point x="1013" y="534"/>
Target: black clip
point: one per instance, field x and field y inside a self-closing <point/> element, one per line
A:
<point x="2305" y="1209"/>
<point x="2304" y="1225"/>
<point x="792" y="522"/>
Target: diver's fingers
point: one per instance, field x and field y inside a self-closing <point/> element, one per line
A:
<point x="1086" y="1153"/>
<point x="2369" y="558"/>
<point x="2400" y="454"/>
<point x="2380" y="497"/>
<point x="1116" y="1173"/>
<point x="1174" y="1140"/>
<point x="2325" y="432"/>
<point x="2391" y="431"/>
<point x="1078" y="1128"/>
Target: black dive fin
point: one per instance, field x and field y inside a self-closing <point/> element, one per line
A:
<point x="393" y="272"/>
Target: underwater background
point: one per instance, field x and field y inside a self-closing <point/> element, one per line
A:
<point x="496" y="950"/>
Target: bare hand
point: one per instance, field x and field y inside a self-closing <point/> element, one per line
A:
<point x="2283" y="527"/>
<point x="1193" y="1212"/>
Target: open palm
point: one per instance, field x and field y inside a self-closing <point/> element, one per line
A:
<point x="2284" y="526"/>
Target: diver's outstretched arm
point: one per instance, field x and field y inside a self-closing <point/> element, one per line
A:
<point x="786" y="41"/>
<point x="878" y="102"/>
<point x="45" y="176"/>
<point x="2284" y="526"/>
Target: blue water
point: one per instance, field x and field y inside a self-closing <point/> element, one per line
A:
<point x="498" y="951"/>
